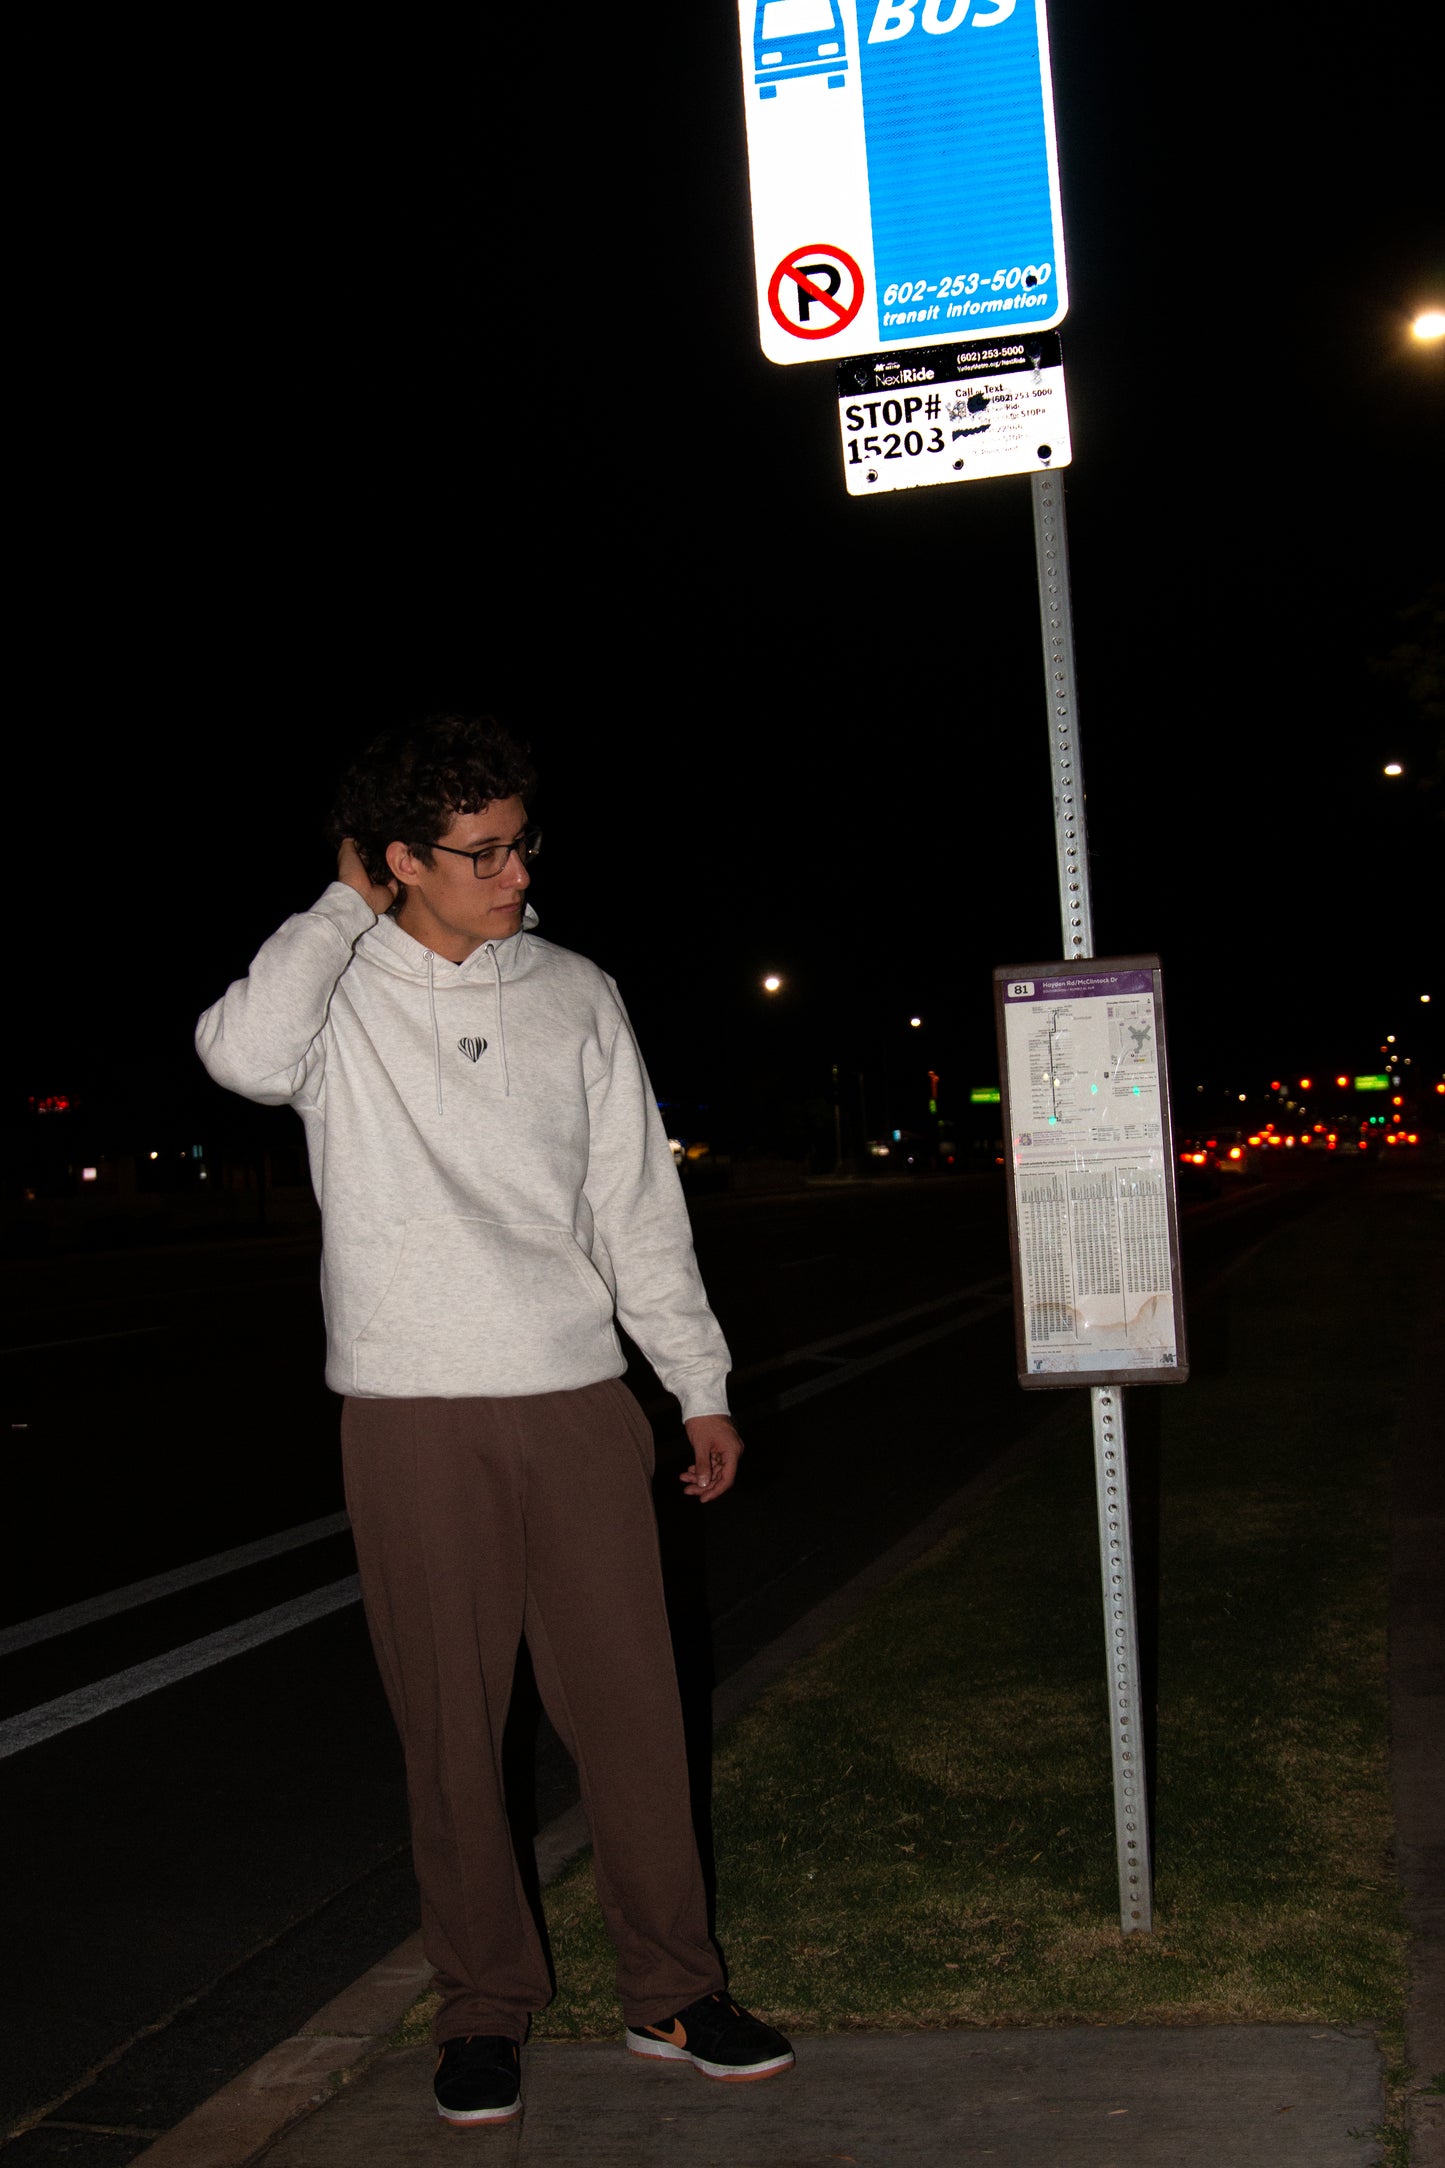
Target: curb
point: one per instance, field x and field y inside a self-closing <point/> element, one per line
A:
<point x="288" y="2082"/>
<point x="292" y="2080"/>
<point x="1417" y="1745"/>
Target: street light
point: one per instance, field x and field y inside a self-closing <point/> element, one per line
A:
<point x="1429" y="324"/>
<point x="772" y="984"/>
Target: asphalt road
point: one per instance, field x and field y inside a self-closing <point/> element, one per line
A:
<point x="197" y="1870"/>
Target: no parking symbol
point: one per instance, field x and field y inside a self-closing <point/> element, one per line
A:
<point x="816" y="291"/>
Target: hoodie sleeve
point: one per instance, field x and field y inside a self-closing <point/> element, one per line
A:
<point x="638" y="1209"/>
<point x="263" y="1037"/>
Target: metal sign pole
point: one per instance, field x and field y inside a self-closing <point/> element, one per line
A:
<point x="1051" y="547"/>
<point x="1111" y="1468"/>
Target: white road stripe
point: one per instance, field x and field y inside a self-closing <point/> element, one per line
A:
<point x="996" y="1286"/>
<point x="51" y="1718"/>
<point x="855" y="1369"/>
<point x="95" y="1608"/>
<point x="84" y="1339"/>
<point x="116" y="1600"/>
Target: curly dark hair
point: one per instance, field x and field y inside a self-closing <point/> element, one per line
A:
<point x="411" y="781"/>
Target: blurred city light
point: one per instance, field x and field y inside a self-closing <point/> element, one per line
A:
<point x="1393" y="767"/>
<point x="1429" y="324"/>
<point x="916" y="1022"/>
<point x="772" y="983"/>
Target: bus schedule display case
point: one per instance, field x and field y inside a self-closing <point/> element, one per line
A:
<point x="1093" y="1217"/>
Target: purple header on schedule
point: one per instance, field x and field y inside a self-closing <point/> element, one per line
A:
<point x="1084" y="985"/>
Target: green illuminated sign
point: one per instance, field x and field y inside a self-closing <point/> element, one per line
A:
<point x="984" y="1095"/>
<point x="1372" y="1083"/>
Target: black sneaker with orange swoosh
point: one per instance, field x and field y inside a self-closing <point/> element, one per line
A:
<point x="717" y="2038"/>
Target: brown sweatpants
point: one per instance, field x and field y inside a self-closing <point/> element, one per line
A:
<point x="478" y="1521"/>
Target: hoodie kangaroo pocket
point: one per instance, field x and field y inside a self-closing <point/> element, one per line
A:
<point x="480" y="1307"/>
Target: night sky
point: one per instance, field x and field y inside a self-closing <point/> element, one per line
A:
<point x="388" y="367"/>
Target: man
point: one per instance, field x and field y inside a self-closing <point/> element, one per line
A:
<point x="496" y="1188"/>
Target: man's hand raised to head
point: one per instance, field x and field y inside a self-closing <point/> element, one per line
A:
<point x="716" y="1451"/>
<point x="380" y="895"/>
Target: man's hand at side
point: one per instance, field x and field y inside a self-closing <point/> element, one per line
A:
<point x="381" y="896"/>
<point x="716" y="1451"/>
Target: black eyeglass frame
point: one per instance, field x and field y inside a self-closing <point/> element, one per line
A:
<point x="527" y="847"/>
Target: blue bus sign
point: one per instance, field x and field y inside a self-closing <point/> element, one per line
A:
<point x="904" y="173"/>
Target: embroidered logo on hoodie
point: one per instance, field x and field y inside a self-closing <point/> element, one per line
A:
<point x="473" y="1048"/>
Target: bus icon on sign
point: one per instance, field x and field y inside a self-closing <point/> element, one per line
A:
<point x="792" y="38"/>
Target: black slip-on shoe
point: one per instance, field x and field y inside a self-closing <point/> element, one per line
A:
<point x="717" y="2038"/>
<point x="478" y="2079"/>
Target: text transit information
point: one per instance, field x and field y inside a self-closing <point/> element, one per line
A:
<point x="1093" y="1222"/>
<point x="952" y="414"/>
<point x="907" y="147"/>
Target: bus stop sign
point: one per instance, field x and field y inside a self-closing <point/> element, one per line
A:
<point x="904" y="175"/>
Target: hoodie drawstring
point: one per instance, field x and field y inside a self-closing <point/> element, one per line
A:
<point x="436" y="1036"/>
<point x="501" y="1027"/>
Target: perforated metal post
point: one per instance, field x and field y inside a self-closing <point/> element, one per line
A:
<point x="1051" y="547"/>
<point x="1111" y="1468"/>
<point x="1121" y="1638"/>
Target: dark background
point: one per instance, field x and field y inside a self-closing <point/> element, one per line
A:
<point x="379" y="367"/>
<point x="370" y="367"/>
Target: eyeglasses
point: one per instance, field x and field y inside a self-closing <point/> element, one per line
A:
<point x="488" y="862"/>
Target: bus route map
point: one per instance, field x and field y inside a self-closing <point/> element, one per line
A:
<point x="1092" y="1208"/>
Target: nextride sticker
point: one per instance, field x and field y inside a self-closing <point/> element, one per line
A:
<point x="952" y="414"/>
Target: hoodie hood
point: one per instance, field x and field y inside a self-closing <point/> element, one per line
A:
<point x="388" y="946"/>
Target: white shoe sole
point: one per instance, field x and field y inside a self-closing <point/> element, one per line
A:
<point x="465" y="2118"/>
<point x="663" y="2051"/>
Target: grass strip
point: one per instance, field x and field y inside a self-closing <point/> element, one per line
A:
<point x="914" y="1828"/>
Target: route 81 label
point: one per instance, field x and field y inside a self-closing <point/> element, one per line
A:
<point x="952" y="414"/>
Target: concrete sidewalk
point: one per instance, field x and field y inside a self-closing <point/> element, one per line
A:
<point x="1069" y="2097"/>
<point x="1215" y="2097"/>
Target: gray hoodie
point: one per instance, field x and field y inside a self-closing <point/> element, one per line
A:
<point x="494" y="1178"/>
